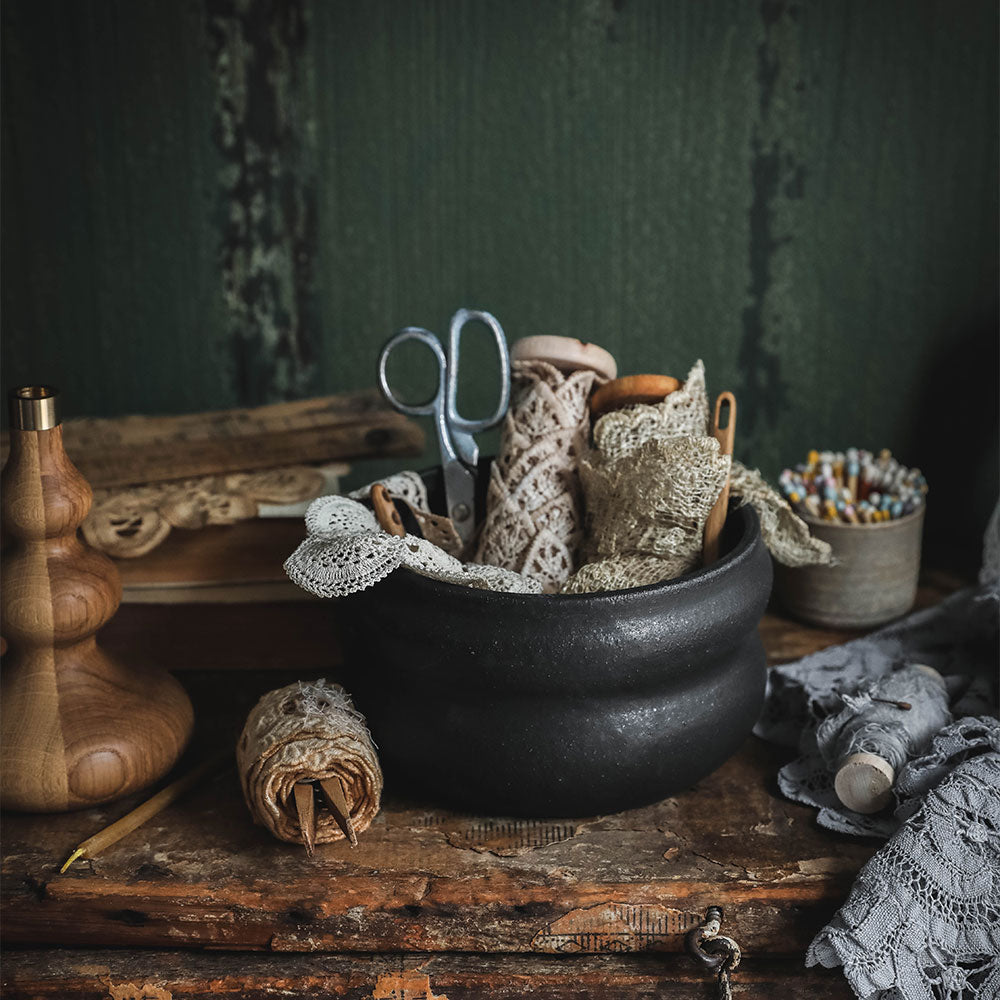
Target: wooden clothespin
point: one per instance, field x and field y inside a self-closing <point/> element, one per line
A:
<point x="334" y="798"/>
<point x="717" y="516"/>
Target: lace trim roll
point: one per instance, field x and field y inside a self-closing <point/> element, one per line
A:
<point x="534" y="514"/>
<point x="307" y="732"/>
<point x="646" y="512"/>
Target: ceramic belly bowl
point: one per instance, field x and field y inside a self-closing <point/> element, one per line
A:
<point x="564" y="705"/>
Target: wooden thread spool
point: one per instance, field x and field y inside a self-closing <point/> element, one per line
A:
<point x="864" y="780"/>
<point x="630" y="390"/>
<point x="385" y="511"/>
<point x="565" y="353"/>
<point x="78" y="728"/>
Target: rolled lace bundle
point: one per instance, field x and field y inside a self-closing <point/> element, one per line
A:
<point x="307" y="732"/>
<point x="534" y="513"/>
<point x="650" y="483"/>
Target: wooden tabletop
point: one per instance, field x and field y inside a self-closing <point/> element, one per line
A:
<point x="476" y="905"/>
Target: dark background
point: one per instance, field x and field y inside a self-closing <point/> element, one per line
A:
<point x="209" y="203"/>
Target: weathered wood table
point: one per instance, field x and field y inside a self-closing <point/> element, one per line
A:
<point x="201" y="903"/>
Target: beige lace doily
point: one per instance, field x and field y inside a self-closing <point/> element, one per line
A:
<point x="307" y="732"/>
<point x="128" y="523"/>
<point x="534" y="514"/>
<point x="347" y="551"/>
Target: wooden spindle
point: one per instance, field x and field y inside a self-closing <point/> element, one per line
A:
<point x="77" y="728"/>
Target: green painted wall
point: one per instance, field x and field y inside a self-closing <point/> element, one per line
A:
<point x="218" y="202"/>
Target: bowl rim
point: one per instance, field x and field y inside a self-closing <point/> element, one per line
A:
<point x="739" y="554"/>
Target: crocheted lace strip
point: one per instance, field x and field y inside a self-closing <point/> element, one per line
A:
<point x="685" y="413"/>
<point x="534" y="516"/>
<point x="646" y="512"/>
<point x="347" y="551"/>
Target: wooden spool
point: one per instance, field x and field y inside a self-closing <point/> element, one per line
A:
<point x="864" y="783"/>
<point x="78" y="728"/>
<point x="631" y="389"/>
<point x="565" y="353"/>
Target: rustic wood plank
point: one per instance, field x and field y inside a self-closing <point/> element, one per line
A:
<point x="121" y="451"/>
<point x="200" y="874"/>
<point x="422" y="879"/>
<point x="163" y="975"/>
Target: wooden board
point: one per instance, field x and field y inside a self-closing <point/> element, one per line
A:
<point x="142" y="449"/>
<point x="427" y="879"/>
<point x="172" y="975"/>
<point x="231" y="562"/>
<point x="425" y="884"/>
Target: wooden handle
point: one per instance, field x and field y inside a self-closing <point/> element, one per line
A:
<point x="717" y="516"/>
<point x="385" y="511"/>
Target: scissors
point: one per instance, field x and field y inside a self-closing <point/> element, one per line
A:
<point x="459" y="451"/>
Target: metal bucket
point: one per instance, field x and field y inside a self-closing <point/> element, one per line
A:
<point x="873" y="580"/>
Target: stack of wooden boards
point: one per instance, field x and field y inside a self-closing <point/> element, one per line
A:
<point x="239" y="561"/>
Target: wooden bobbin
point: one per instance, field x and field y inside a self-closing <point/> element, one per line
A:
<point x="565" y="353"/>
<point x="631" y="389"/>
<point x="864" y="782"/>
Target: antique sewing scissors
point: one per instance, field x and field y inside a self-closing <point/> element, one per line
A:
<point x="459" y="451"/>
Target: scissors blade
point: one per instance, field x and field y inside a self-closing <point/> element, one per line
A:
<point x="460" y="495"/>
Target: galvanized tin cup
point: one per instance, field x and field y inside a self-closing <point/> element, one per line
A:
<point x="873" y="580"/>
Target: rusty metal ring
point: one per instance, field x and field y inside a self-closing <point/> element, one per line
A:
<point x="698" y="938"/>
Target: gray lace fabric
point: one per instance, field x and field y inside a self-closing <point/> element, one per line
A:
<point x="922" y="921"/>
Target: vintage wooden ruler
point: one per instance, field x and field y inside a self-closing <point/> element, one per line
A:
<point x="121" y="451"/>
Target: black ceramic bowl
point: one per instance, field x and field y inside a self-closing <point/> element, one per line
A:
<point x="564" y="705"/>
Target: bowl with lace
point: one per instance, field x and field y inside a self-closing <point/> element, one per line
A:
<point x="565" y="704"/>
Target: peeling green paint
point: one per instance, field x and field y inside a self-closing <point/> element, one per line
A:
<point x="267" y="195"/>
<point x="218" y="202"/>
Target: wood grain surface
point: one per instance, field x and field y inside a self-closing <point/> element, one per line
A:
<point x="522" y="896"/>
<point x="78" y="727"/>
<point x="172" y="975"/>
<point x="425" y="879"/>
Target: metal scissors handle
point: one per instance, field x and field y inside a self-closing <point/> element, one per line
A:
<point x="459" y="451"/>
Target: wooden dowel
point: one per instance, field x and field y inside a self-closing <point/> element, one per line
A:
<point x="305" y="806"/>
<point x="717" y="516"/>
<point x="332" y="790"/>
<point x="103" y="839"/>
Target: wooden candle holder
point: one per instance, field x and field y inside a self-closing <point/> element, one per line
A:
<point x="78" y="728"/>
